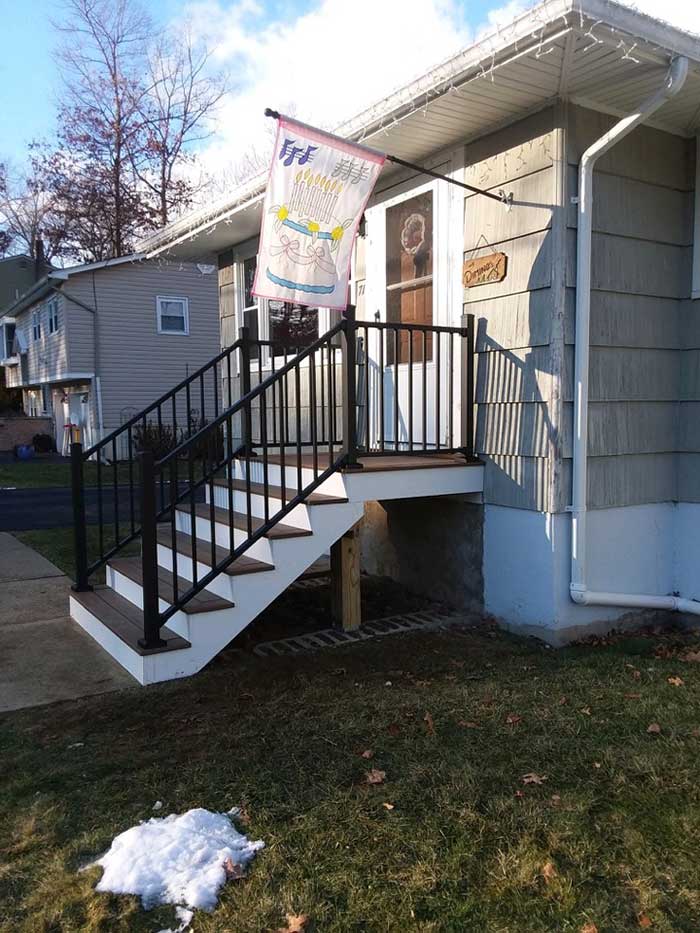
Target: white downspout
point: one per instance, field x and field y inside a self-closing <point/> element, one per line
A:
<point x="674" y="81"/>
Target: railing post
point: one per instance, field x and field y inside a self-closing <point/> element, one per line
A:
<point x="349" y="356"/>
<point x="467" y="386"/>
<point x="79" y="521"/>
<point x="149" y="557"/>
<point x="246" y="412"/>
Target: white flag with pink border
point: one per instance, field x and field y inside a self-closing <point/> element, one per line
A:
<point x="317" y="191"/>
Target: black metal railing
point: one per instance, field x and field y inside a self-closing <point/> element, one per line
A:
<point x="114" y="498"/>
<point x="361" y="390"/>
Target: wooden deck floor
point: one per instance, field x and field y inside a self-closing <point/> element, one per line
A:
<point x="382" y="462"/>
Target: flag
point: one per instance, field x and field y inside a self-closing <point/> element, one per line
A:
<point x="318" y="187"/>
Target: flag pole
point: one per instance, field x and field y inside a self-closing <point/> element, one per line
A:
<point x="501" y="197"/>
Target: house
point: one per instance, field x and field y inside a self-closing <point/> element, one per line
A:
<point x="576" y="500"/>
<point x="88" y="345"/>
<point x="17" y="275"/>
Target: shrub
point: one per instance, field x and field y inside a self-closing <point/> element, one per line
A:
<point x="43" y="443"/>
<point x="159" y="439"/>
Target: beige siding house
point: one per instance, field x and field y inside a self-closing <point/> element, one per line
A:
<point x="93" y="344"/>
<point x="610" y="397"/>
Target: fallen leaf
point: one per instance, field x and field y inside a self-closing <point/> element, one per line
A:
<point x="430" y="725"/>
<point x="532" y="778"/>
<point x="596" y="764"/>
<point x="676" y="681"/>
<point x="691" y="656"/>
<point x="654" y="728"/>
<point x="519" y="793"/>
<point x="586" y="710"/>
<point x="375" y="776"/>
<point x="296" y="923"/>
<point x="633" y="696"/>
<point x="644" y="921"/>
<point x="695" y="733"/>
<point x="549" y="872"/>
<point x="513" y="719"/>
<point x="563" y="701"/>
<point x="555" y="800"/>
<point x="388" y="806"/>
<point x="468" y="724"/>
<point x="367" y="753"/>
<point x="636" y="674"/>
<point x="234" y="871"/>
<point x="393" y="728"/>
<point x="589" y="928"/>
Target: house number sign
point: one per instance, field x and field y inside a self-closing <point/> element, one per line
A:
<point x="484" y="270"/>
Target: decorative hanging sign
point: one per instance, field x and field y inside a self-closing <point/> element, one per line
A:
<point x="484" y="270"/>
<point x="316" y="195"/>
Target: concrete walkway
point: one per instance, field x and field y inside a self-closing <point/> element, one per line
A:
<point x="44" y="657"/>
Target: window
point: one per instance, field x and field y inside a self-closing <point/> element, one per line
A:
<point x="409" y="274"/>
<point x="36" y="325"/>
<point x="46" y="400"/>
<point x="291" y="327"/>
<point x="8" y="339"/>
<point x="173" y="315"/>
<point x="53" y="315"/>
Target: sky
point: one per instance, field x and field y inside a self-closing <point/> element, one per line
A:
<point x="322" y="60"/>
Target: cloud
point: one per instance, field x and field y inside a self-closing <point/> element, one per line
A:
<point x="322" y="66"/>
<point x="327" y="63"/>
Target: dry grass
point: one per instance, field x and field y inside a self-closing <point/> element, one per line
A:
<point x="609" y="836"/>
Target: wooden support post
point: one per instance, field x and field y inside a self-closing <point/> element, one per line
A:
<point x="346" y="608"/>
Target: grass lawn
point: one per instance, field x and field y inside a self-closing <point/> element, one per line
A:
<point x="56" y="545"/>
<point x="45" y="474"/>
<point x="523" y="790"/>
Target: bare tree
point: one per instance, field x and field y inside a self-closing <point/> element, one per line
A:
<point x="100" y="122"/>
<point x="27" y="211"/>
<point x="176" y="111"/>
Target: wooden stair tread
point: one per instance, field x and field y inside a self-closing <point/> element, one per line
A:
<point x="258" y="489"/>
<point x="183" y="544"/>
<point x="388" y="462"/>
<point x="240" y="521"/>
<point x="206" y="601"/>
<point x="125" y="620"/>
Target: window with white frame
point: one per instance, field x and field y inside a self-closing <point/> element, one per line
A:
<point x="289" y="326"/>
<point x="53" y="315"/>
<point x="36" y="325"/>
<point x="173" y="315"/>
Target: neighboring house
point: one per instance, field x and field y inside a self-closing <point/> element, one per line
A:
<point x="17" y="275"/>
<point x="91" y="344"/>
<point x="587" y="376"/>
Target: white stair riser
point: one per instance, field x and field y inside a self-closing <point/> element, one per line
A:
<point x="133" y="591"/>
<point x="333" y="486"/>
<point x="122" y="653"/>
<point x="260" y="550"/>
<point x="298" y="516"/>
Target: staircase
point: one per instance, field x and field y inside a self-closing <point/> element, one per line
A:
<point x="236" y="511"/>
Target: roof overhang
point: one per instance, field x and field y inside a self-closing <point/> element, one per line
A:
<point x="596" y="53"/>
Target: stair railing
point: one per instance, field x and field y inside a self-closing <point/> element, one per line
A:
<point x="114" y="500"/>
<point x="255" y="433"/>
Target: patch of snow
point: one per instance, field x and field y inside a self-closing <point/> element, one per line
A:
<point x="185" y="918"/>
<point x="177" y="859"/>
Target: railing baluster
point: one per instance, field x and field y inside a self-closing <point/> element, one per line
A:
<point x="79" y="519"/>
<point x="100" y="510"/>
<point x="229" y="483"/>
<point x="312" y="410"/>
<point x="297" y="408"/>
<point x="367" y="444"/>
<point x="193" y="513"/>
<point x="411" y="335"/>
<point x="149" y="557"/>
<point x="115" y="488"/>
<point x="437" y="344"/>
<point x="174" y="489"/>
<point x="331" y="414"/>
<point x="248" y="494"/>
<point x="132" y="516"/>
<point x="283" y="465"/>
<point x="209" y="455"/>
<point x="425" y="390"/>
<point x="263" y="443"/>
<point x="397" y="346"/>
<point x="381" y="390"/>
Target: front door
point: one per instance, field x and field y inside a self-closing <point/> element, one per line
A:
<point x="402" y="289"/>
